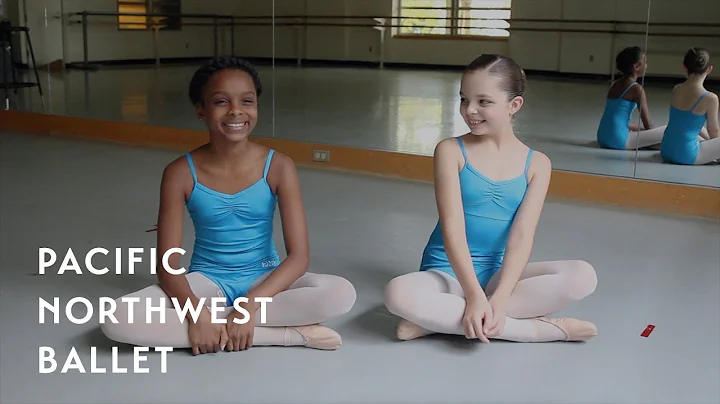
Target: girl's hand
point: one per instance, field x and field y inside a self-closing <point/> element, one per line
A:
<point x="240" y="336"/>
<point x="477" y="313"/>
<point x="206" y="336"/>
<point x="497" y="325"/>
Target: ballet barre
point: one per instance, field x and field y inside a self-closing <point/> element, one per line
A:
<point x="380" y="24"/>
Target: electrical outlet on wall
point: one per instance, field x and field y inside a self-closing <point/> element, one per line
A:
<point x="321" y="155"/>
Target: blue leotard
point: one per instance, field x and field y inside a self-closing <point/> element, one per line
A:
<point x="233" y="234"/>
<point x="489" y="209"/>
<point x="680" y="144"/>
<point x="614" y="126"/>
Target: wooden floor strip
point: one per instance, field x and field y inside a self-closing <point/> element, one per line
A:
<point x="616" y="191"/>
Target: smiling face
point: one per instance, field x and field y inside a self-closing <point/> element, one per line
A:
<point x="484" y="104"/>
<point x="229" y="104"/>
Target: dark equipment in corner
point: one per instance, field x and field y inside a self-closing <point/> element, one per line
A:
<point x="9" y="66"/>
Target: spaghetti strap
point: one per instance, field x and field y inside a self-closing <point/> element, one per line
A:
<point x="192" y="166"/>
<point x="267" y="163"/>
<point x="462" y="148"/>
<point x="527" y="166"/>
<point x="628" y="88"/>
<point x="698" y="100"/>
<point x="527" y="161"/>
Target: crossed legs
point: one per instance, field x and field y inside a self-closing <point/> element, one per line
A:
<point x="709" y="151"/>
<point x="433" y="302"/>
<point x="292" y="318"/>
<point x="645" y="138"/>
<point x="428" y="302"/>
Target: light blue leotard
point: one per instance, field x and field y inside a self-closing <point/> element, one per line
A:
<point x="233" y="234"/>
<point x="680" y="144"/>
<point x="489" y="209"/>
<point x="614" y="126"/>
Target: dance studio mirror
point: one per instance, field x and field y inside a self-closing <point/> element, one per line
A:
<point x="373" y="75"/>
<point x="386" y="75"/>
<point x="676" y="29"/>
<point x="132" y="60"/>
<point x="615" y="115"/>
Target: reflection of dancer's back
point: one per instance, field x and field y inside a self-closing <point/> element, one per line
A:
<point x="686" y="141"/>
<point x="615" y="122"/>
<point x="625" y="94"/>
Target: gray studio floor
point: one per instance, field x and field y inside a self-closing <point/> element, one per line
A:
<point x="392" y="109"/>
<point x="652" y="269"/>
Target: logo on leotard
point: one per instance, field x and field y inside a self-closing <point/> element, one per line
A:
<point x="269" y="263"/>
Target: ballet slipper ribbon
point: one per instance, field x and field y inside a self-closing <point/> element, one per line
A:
<point x="154" y="228"/>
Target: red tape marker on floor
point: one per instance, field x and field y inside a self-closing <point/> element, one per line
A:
<point x="647" y="331"/>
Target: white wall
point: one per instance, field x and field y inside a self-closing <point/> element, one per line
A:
<point x="106" y="42"/>
<point x="10" y="11"/>
<point x="45" y="40"/>
<point x="554" y="51"/>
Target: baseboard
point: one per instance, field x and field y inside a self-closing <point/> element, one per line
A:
<point x="614" y="191"/>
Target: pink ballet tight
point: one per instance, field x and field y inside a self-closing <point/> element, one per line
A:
<point x="709" y="152"/>
<point x="312" y="299"/>
<point x="645" y="138"/>
<point x="434" y="301"/>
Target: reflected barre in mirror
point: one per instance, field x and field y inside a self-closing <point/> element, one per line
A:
<point x="386" y="76"/>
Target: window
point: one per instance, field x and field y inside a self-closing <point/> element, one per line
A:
<point x="455" y="17"/>
<point x="132" y="22"/>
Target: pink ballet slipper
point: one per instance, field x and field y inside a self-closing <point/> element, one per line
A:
<point x="319" y="337"/>
<point x="574" y="329"/>
<point x="408" y="330"/>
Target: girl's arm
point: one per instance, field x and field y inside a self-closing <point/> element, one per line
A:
<point x="294" y="226"/>
<point x="169" y="232"/>
<point x="713" y="127"/>
<point x="452" y="219"/>
<point x="522" y="233"/>
<point x="644" y="110"/>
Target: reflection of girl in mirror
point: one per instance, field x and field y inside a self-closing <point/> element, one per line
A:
<point x="686" y="141"/>
<point x="625" y="94"/>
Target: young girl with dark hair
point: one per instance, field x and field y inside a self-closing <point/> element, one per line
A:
<point x="474" y="278"/>
<point x="230" y="187"/>
<point x="626" y="94"/>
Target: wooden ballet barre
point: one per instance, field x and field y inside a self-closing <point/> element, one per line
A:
<point x="155" y="27"/>
<point x="511" y="29"/>
<point x="510" y="20"/>
<point x="351" y="25"/>
<point x="381" y="24"/>
<point x="116" y="14"/>
<point x="347" y="17"/>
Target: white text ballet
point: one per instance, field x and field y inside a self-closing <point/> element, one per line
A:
<point x="48" y="363"/>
